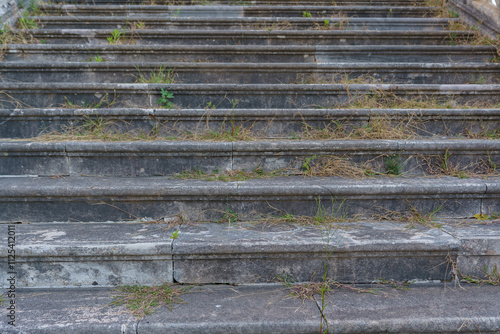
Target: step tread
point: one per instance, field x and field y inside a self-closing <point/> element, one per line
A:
<point x="356" y="145"/>
<point x="160" y="186"/>
<point x="205" y="247"/>
<point x="254" y="66"/>
<point x="265" y="309"/>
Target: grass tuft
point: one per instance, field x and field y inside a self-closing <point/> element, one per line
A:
<point x="144" y="300"/>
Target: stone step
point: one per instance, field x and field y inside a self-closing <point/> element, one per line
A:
<point x="273" y="123"/>
<point x="222" y="11"/>
<point x="211" y="309"/>
<point x="248" y="73"/>
<point x="129" y="159"/>
<point x="250" y="2"/>
<point x="86" y="199"/>
<point x="249" y="53"/>
<point x="256" y="23"/>
<point x="97" y="95"/>
<point x="250" y="37"/>
<point x="104" y="254"/>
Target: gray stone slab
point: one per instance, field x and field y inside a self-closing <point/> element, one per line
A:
<point x="138" y="53"/>
<point x="259" y="23"/>
<point x="101" y="199"/>
<point x="26" y="123"/>
<point x="382" y="53"/>
<point x="124" y="159"/>
<point x="67" y="311"/>
<point x="225" y="309"/>
<point x="249" y="37"/>
<point x="481" y="13"/>
<point x="359" y="11"/>
<point x="265" y="309"/>
<point x="87" y="254"/>
<point x="361" y="252"/>
<point x="248" y="96"/>
<point x="422" y="309"/>
<point x="254" y="2"/>
<point x="237" y="11"/>
<point x="147" y="159"/>
<point x="248" y="73"/>
<point x="480" y="247"/>
<point x="250" y="53"/>
<point x="32" y="158"/>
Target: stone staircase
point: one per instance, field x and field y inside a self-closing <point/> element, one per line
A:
<point x="236" y="142"/>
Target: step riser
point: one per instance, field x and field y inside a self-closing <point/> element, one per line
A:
<point x="252" y="2"/>
<point x="60" y="264"/>
<point x="167" y="158"/>
<point x="278" y="54"/>
<point x="177" y="37"/>
<point x="238" y="11"/>
<point x="239" y="24"/>
<point x="295" y="251"/>
<point x="88" y="260"/>
<point x="247" y="96"/>
<point x="223" y="74"/>
<point x="48" y="199"/>
<point x="283" y="123"/>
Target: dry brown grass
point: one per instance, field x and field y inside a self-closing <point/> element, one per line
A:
<point x="144" y="300"/>
<point x="387" y="99"/>
<point x="325" y="166"/>
<point x="442" y="9"/>
<point x="15" y="36"/>
<point x="233" y="175"/>
<point x="412" y="216"/>
<point x="376" y="128"/>
<point x="442" y="165"/>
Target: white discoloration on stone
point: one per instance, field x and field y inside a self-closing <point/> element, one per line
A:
<point x="53" y="234"/>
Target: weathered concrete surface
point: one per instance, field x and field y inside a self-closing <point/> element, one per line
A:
<point x="95" y="254"/>
<point x="253" y="23"/>
<point x="9" y="11"/>
<point x="67" y="311"/>
<point x="244" y="309"/>
<point x="255" y="2"/>
<point x="480" y="246"/>
<point x="274" y="123"/>
<point x="422" y="309"/>
<point x="251" y="53"/>
<point x="88" y="199"/>
<point x="265" y="309"/>
<point x="125" y="159"/>
<point x="251" y="37"/>
<point x="252" y="73"/>
<point x="109" y="254"/>
<point x="359" y="252"/>
<point x="484" y="14"/>
<point x="22" y="95"/>
<point x="238" y="11"/>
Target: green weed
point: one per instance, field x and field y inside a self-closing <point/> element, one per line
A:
<point x="164" y="100"/>
<point x="491" y="277"/>
<point x="116" y="36"/>
<point x="393" y="165"/>
<point x="228" y="216"/>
